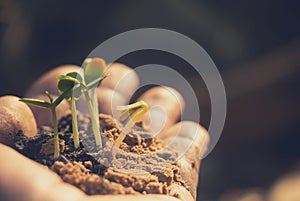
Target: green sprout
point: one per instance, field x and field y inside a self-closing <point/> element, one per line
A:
<point x="71" y="86"/>
<point x="65" y="84"/>
<point x="93" y="76"/>
<point x="135" y="111"/>
<point x="52" y="106"/>
<point x="93" y="69"/>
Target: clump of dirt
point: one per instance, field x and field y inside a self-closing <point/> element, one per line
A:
<point x="140" y="166"/>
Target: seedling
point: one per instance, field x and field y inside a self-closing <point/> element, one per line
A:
<point x="52" y="106"/>
<point x="93" y="76"/>
<point x="93" y="69"/>
<point x="135" y="111"/>
<point x="64" y="84"/>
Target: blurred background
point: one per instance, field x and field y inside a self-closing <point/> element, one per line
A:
<point x="255" y="45"/>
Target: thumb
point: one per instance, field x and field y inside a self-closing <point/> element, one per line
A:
<point x="190" y="141"/>
<point x="15" y="116"/>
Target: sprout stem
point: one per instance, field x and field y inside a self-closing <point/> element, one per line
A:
<point x="95" y="103"/>
<point x="55" y="127"/>
<point x="95" y="124"/>
<point x="74" y="124"/>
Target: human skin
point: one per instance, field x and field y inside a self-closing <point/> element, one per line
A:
<point x="25" y="180"/>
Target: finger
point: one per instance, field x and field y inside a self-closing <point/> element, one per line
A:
<point x="286" y="188"/>
<point x="121" y="79"/>
<point x="166" y="105"/>
<point x="109" y="99"/>
<point x="132" y="197"/>
<point x="48" y="81"/>
<point x="35" y="182"/>
<point x="117" y="88"/>
<point x="114" y="90"/>
<point x="190" y="141"/>
<point x="181" y="192"/>
<point x="15" y="116"/>
<point x="43" y="116"/>
<point x="30" y="180"/>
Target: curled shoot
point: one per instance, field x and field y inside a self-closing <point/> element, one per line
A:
<point x="52" y="104"/>
<point x="135" y="111"/>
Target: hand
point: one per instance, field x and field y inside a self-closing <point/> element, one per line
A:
<point x="24" y="179"/>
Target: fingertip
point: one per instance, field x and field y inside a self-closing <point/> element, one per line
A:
<point x="286" y="188"/>
<point x="166" y="105"/>
<point x="166" y="96"/>
<point x="187" y="137"/>
<point x="48" y="81"/>
<point x="14" y="116"/>
<point x="190" y="141"/>
<point x="122" y="79"/>
<point x="181" y="192"/>
<point x="31" y="180"/>
<point x="108" y="100"/>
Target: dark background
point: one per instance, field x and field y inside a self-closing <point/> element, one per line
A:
<point x="255" y="45"/>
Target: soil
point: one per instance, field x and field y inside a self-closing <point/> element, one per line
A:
<point x="141" y="166"/>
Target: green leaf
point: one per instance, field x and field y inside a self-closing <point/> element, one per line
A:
<point x="36" y="102"/>
<point x="72" y="77"/>
<point x="70" y="81"/>
<point x="64" y="95"/>
<point x="93" y="69"/>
